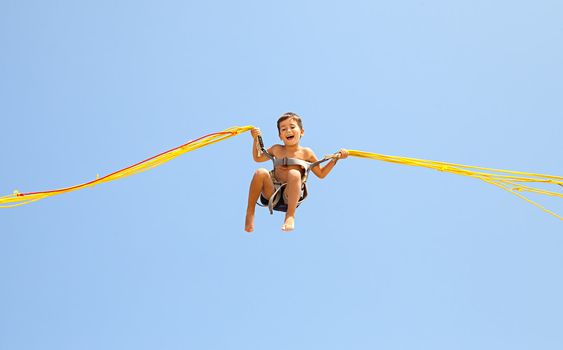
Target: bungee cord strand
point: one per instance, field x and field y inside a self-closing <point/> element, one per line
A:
<point x="515" y="182"/>
<point x="508" y="180"/>
<point x="18" y="199"/>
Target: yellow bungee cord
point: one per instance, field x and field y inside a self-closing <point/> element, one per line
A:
<point x="515" y="182"/>
<point x="17" y="198"/>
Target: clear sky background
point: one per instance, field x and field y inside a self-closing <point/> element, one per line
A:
<point x="384" y="256"/>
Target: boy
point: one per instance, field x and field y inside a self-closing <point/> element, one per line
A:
<point x="290" y="129"/>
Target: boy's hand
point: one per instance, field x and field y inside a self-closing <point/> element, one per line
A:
<point x="255" y="132"/>
<point x="342" y="154"/>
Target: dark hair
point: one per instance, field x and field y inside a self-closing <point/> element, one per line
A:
<point x="290" y="115"/>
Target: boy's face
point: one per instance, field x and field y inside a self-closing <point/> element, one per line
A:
<point x="290" y="132"/>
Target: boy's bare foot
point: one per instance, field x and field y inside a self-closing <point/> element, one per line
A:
<point x="289" y="224"/>
<point x="249" y="222"/>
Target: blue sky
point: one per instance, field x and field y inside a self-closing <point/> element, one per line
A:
<point x="384" y="256"/>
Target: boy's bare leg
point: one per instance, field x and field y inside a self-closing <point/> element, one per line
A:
<point x="293" y="191"/>
<point x="261" y="183"/>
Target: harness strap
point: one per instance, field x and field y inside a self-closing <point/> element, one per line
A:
<point x="275" y="198"/>
<point x="292" y="161"/>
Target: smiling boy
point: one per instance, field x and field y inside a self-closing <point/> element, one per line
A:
<point x="290" y="131"/>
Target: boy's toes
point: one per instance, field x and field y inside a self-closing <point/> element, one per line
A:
<point x="287" y="228"/>
<point x="288" y="225"/>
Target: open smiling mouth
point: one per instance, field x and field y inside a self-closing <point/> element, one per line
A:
<point x="290" y="137"/>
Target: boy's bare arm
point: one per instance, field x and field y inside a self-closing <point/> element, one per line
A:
<point x="323" y="171"/>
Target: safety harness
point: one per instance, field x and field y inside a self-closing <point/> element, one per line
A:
<point x="278" y="200"/>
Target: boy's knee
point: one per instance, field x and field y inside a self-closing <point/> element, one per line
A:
<point x="294" y="175"/>
<point x="261" y="172"/>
